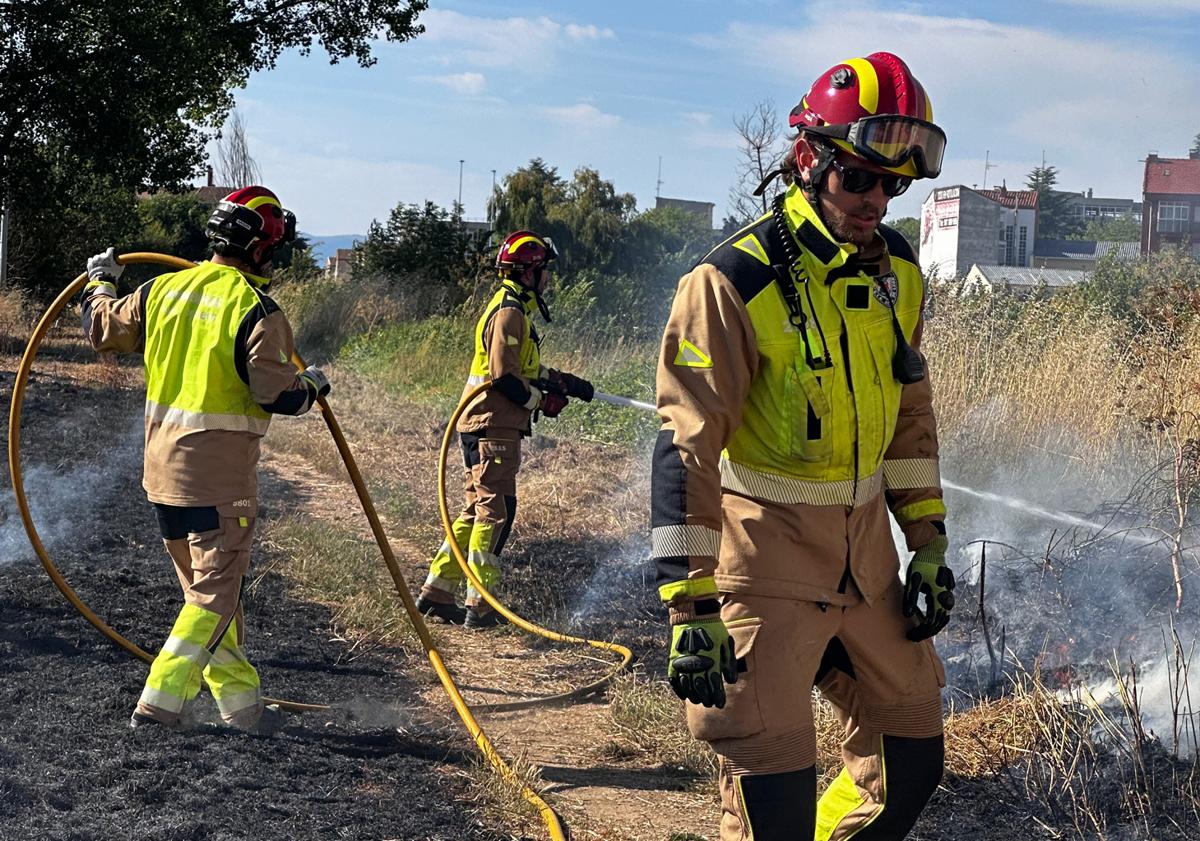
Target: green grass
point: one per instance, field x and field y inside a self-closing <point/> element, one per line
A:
<point x="335" y="566"/>
<point x="427" y="362"/>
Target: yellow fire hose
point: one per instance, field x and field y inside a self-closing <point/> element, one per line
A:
<point x="583" y="691"/>
<point x="553" y="825"/>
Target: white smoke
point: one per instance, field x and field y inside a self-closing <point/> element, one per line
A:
<point x="64" y="502"/>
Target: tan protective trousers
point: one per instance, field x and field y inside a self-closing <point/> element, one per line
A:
<point x="210" y="549"/>
<point x="491" y="462"/>
<point x="884" y="688"/>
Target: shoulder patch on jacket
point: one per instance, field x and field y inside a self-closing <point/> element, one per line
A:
<point x="746" y="257"/>
<point x="690" y="356"/>
<point x="897" y="245"/>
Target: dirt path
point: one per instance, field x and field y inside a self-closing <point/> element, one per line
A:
<point x="69" y="766"/>
<point x="603" y="795"/>
<point x="389" y="761"/>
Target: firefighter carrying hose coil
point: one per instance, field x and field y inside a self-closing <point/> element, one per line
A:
<point x="797" y="412"/>
<point x="217" y="356"/>
<point x="507" y="351"/>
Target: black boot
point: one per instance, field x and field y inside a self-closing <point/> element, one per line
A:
<point x="476" y="621"/>
<point x="446" y="611"/>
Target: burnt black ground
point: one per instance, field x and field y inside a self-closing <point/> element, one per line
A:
<point x="70" y="768"/>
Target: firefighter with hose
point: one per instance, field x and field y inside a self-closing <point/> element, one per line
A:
<point x="217" y="355"/>
<point x="797" y="412"/>
<point x="507" y="351"/>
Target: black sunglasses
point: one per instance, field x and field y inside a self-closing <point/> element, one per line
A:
<point x="863" y="180"/>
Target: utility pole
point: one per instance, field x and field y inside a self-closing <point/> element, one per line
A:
<point x="460" y="170"/>
<point x="491" y="199"/>
<point x="3" y="247"/>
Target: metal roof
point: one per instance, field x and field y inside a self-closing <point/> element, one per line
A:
<point x="1075" y="249"/>
<point x="1023" y="276"/>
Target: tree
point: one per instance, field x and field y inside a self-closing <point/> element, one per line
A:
<point x="1056" y="217"/>
<point x="584" y="216"/>
<point x="910" y="228"/>
<point x="760" y="133"/>
<point x="424" y="252"/>
<point x="1110" y="229"/>
<point x="1195" y="150"/>
<point x="235" y="167"/>
<point x="174" y="223"/>
<point x="131" y="92"/>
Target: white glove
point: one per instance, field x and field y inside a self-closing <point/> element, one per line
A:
<point x="316" y="380"/>
<point x="104" y="267"/>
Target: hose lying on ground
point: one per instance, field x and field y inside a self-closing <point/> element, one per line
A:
<point x="553" y="825"/>
<point x="581" y="692"/>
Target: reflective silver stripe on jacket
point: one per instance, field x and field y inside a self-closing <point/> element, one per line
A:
<point x="205" y="420"/>
<point x="908" y="473"/>
<point x="674" y="541"/>
<point x="790" y="491"/>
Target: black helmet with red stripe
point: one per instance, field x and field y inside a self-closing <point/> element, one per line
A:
<point x="249" y="225"/>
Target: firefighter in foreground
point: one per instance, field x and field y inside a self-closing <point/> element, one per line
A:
<point x="216" y="352"/>
<point x="796" y="412"/>
<point x="507" y="351"/>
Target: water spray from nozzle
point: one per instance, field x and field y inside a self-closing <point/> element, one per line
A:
<point x="1038" y="511"/>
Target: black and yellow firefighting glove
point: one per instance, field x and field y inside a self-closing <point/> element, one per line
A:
<point x="928" y="574"/>
<point x="701" y="659"/>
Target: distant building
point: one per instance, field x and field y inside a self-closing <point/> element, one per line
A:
<point x="702" y="210"/>
<point x="1171" y="203"/>
<point x="340" y="264"/>
<point x="1089" y="208"/>
<point x="1020" y="281"/>
<point x="1080" y="254"/>
<point x="961" y="227"/>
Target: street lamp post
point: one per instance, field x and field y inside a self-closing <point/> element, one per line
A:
<point x="460" y="172"/>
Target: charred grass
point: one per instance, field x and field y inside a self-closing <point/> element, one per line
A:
<point x="1044" y="388"/>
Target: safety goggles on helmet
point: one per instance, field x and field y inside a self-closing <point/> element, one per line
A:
<point x="890" y="140"/>
<point x="855" y="180"/>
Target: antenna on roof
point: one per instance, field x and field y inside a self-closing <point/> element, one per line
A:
<point x="658" y="184"/>
<point x="987" y="165"/>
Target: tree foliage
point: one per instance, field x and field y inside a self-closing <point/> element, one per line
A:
<point x="1056" y="216"/>
<point x="1109" y="229"/>
<point x="130" y="93"/>
<point x="614" y="262"/>
<point x="585" y="216"/>
<point x="910" y="228"/>
<point x="426" y="253"/>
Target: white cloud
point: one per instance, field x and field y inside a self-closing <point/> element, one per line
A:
<point x="470" y="84"/>
<point x="1137" y="7"/>
<point x="1094" y="105"/>
<point x="587" y="33"/>
<point x="583" y="116"/>
<point x="699" y="118"/>
<point x="501" y="42"/>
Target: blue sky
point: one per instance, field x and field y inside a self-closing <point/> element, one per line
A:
<point x="1094" y="84"/>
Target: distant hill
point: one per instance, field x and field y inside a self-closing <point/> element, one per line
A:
<point x="323" y="245"/>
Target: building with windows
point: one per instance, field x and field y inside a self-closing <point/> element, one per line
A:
<point x="1171" y="203"/>
<point x="961" y="226"/>
<point x="1088" y="207"/>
